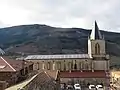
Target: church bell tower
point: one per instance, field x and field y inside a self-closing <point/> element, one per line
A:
<point x="96" y="43"/>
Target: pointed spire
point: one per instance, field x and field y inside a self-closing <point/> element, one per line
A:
<point x="95" y="34"/>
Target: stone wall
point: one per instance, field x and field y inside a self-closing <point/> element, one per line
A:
<point x="63" y="65"/>
<point x="70" y="64"/>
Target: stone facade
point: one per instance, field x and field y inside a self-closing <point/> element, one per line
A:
<point x="71" y="64"/>
<point x="63" y="65"/>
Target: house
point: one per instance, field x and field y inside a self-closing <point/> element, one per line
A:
<point x="13" y="71"/>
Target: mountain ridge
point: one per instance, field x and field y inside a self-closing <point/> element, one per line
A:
<point x="45" y="25"/>
<point x="52" y="40"/>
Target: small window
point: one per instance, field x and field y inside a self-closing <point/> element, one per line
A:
<point x="48" y="66"/>
<point x="37" y="65"/>
<point x="43" y="65"/>
<point x="97" y="49"/>
<point x="64" y="66"/>
<point x="75" y="65"/>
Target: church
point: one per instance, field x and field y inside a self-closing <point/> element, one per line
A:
<point x="92" y="65"/>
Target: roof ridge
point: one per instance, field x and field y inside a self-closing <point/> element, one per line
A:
<point x="47" y="75"/>
<point x="8" y="63"/>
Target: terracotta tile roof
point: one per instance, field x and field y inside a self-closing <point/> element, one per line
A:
<point x="9" y="65"/>
<point x="78" y="74"/>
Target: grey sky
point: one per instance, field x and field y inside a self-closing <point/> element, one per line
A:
<point x="61" y="13"/>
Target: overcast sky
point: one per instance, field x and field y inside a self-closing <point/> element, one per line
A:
<point x="61" y="13"/>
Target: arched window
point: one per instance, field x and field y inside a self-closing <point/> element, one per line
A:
<point x="43" y="65"/>
<point x="75" y="65"/>
<point x="48" y="66"/>
<point x="97" y="49"/>
<point x="64" y="66"/>
<point x="72" y="65"/>
<point x="37" y="65"/>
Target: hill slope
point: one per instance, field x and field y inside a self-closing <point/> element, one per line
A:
<point x="42" y="39"/>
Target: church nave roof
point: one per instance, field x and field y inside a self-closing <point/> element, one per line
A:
<point x="61" y="56"/>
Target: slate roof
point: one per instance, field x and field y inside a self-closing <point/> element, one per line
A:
<point x="62" y="56"/>
<point x="95" y="34"/>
